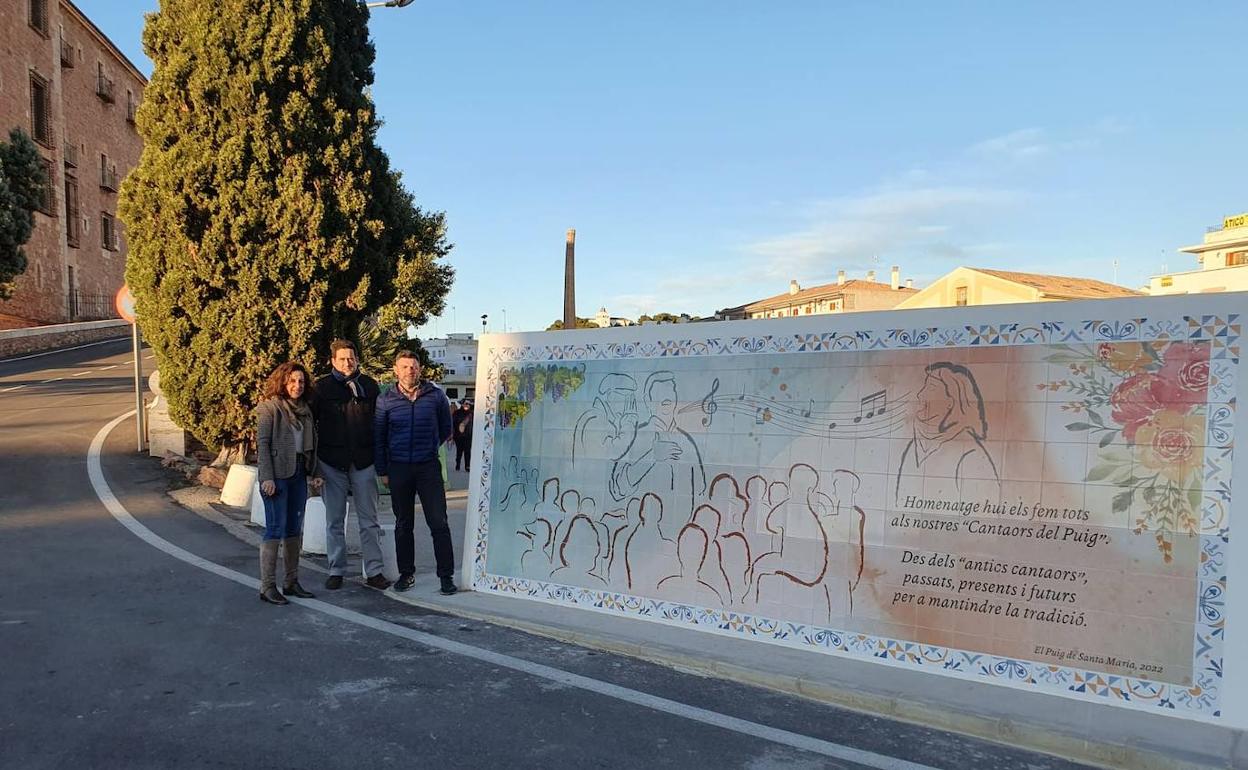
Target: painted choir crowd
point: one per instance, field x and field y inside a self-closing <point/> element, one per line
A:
<point x="342" y="435"/>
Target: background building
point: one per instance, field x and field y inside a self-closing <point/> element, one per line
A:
<point x="602" y="319"/>
<point x="66" y="84"/>
<point x="1223" y="259"/>
<point x="977" y="286"/>
<point x="844" y="296"/>
<point x="457" y="353"/>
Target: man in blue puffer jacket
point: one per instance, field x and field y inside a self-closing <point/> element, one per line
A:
<point x="412" y="420"/>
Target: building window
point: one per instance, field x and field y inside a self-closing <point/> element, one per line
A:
<point x="108" y="174"/>
<point x="47" y="197"/>
<point x="960" y="296"/>
<point x="73" y="225"/>
<point x="103" y="85"/>
<point x="108" y="231"/>
<point x="39" y="16"/>
<point x="67" y="52"/>
<point x="131" y="106"/>
<point x="40" y="110"/>
<point x="1236" y="258"/>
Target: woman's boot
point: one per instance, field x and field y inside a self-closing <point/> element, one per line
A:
<point x="268" y="573"/>
<point x="291" y="548"/>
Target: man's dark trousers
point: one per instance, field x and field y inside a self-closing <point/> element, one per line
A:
<point x="424" y="480"/>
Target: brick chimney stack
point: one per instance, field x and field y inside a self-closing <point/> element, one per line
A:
<point x="840" y="277"/>
<point x="896" y="282"/>
<point x="793" y="287"/>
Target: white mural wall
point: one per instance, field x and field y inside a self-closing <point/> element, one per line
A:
<point x="1038" y="496"/>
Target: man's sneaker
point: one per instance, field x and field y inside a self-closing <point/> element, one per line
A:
<point x="405" y="582"/>
<point x="448" y="586"/>
<point x="333" y="582"/>
<point x="378" y="581"/>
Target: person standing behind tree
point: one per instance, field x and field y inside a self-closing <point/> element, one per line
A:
<point x="346" y="400"/>
<point x="285" y="456"/>
<point x="413" y="419"/>
<point x="461" y="422"/>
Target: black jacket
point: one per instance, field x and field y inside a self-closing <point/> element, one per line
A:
<point x="344" y="423"/>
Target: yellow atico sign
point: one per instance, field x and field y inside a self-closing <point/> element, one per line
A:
<point x="1239" y="220"/>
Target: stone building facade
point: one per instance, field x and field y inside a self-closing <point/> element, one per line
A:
<point x="67" y="85"/>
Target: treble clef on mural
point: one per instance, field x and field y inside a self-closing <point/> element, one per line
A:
<point x="709" y="407"/>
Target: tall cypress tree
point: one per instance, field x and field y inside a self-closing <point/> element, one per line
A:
<point x="263" y="219"/>
<point x="22" y="184"/>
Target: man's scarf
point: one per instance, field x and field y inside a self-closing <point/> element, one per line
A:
<point x="352" y="382"/>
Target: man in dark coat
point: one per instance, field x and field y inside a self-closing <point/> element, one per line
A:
<point x="344" y="404"/>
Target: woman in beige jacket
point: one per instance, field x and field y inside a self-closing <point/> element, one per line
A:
<point x="286" y="456"/>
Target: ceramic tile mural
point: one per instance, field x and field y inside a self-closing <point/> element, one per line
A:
<point x="1045" y="505"/>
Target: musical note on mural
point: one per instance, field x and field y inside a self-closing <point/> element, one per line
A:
<point x="806" y="412"/>
<point x="873" y="404"/>
<point x="709" y="407"/>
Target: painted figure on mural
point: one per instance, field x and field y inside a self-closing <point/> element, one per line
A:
<point x="662" y="457"/>
<point x="946" y="456"/>
<point x="605" y="429"/>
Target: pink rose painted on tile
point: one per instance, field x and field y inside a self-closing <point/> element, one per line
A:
<point x="1133" y="401"/>
<point x="1184" y="377"/>
<point x="1151" y="443"/>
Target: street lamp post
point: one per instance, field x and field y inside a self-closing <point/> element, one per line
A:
<point x="484" y="318"/>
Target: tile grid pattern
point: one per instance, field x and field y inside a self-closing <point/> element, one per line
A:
<point x="1201" y="698"/>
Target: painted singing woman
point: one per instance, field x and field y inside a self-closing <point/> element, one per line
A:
<point x="946" y="456"/>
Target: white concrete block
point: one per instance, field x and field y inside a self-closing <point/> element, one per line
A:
<point x="238" y="485"/>
<point x="314" y="526"/>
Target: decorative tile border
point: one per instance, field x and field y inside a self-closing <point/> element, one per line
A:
<point x="1202" y="698"/>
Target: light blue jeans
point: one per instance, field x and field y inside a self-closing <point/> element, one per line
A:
<point x="283" y="512"/>
<point x="362" y="484"/>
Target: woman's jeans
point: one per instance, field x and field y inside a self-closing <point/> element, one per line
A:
<point x="283" y="512"/>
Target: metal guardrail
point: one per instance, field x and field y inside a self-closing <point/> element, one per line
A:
<point x="71" y="154"/>
<point x="108" y="179"/>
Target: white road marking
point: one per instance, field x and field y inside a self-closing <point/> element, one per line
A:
<point x="54" y="379"/>
<point x="131" y="361"/>
<point x="106" y="368"/>
<point x="82" y="374"/>
<point x="15" y="387"/>
<point x="61" y="350"/>
<point x="795" y="740"/>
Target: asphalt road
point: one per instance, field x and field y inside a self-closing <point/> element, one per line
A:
<point x="116" y="654"/>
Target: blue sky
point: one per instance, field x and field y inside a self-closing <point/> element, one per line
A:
<point x="708" y="152"/>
